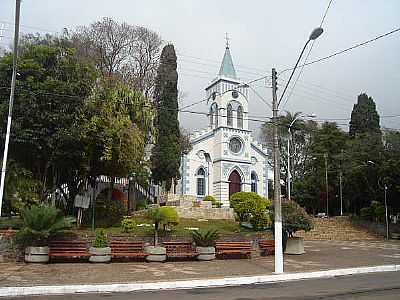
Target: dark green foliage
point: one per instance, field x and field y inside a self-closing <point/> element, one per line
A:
<point x="51" y="87"/>
<point x="205" y="238"/>
<point x="108" y="212"/>
<point x="364" y="117"/>
<point x="167" y="150"/>
<point x="252" y="208"/>
<point x="41" y="222"/>
<point x="128" y="224"/>
<point x="164" y="215"/>
<point x="295" y="218"/>
<point x="101" y="240"/>
<point x="375" y="212"/>
<point x="215" y="202"/>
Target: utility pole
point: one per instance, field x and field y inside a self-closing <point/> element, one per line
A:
<point x="277" y="179"/>
<point x="340" y="184"/>
<point x="326" y="183"/>
<point x="288" y="163"/>
<point x="11" y="101"/>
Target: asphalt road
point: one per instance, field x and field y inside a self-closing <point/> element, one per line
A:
<point x="377" y="286"/>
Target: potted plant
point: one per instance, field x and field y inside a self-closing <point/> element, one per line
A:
<point x="294" y="218"/>
<point x="40" y="222"/>
<point x="99" y="251"/>
<point x="205" y="243"/>
<point x="165" y="216"/>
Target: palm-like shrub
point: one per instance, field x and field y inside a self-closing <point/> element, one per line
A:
<point x="101" y="240"/>
<point x="162" y="216"/>
<point x="40" y="222"/>
<point x="205" y="238"/>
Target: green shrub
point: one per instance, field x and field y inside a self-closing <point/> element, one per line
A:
<point x="215" y="202"/>
<point x="366" y="213"/>
<point x="142" y="204"/>
<point x="295" y="218"/>
<point x="128" y="225"/>
<point x="205" y="238"/>
<point x="375" y="212"/>
<point x="41" y="222"/>
<point x="251" y="207"/>
<point x="11" y="223"/>
<point x="101" y="240"/>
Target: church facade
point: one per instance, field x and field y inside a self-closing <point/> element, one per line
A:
<point x="225" y="158"/>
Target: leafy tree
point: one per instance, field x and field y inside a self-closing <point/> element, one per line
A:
<point x="365" y="145"/>
<point x="167" y="150"/>
<point x="364" y="117"/>
<point x="310" y="191"/>
<point x="114" y="125"/>
<point x="51" y="87"/>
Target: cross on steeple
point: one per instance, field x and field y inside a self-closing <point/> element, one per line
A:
<point x="227" y="40"/>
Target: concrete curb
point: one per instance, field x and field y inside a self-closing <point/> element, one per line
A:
<point x="186" y="284"/>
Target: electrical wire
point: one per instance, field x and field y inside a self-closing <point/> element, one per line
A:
<point x="307" y="56"/>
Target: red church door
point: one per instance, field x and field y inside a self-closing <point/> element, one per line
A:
<point x="235" y="183"/>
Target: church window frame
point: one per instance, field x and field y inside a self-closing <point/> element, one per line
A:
<point x="201" y="182"/>
<point x="229" y="115"/>
<point x="240" y="117"/>
<point x="254" y="181"/>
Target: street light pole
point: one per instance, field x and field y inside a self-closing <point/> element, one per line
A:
<point x="11" y="101"/>
<point x="288" y="148"/>
<point x="326" y="183"/>
<point x="386" y="214"/>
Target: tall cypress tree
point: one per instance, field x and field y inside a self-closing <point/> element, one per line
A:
<point x="364" y="117"/>
<point x="166" y="152"/>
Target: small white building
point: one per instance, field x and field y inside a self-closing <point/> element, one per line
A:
<point x="225" y="157"/>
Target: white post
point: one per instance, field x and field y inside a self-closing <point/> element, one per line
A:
<point x="11" y="102"/>
<point x="288" y="163"/>
<point x="386" y="215"/>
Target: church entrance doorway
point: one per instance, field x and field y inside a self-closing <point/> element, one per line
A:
<point x="235" y="183"/>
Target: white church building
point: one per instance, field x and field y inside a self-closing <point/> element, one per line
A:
<point x="225" y="158"/>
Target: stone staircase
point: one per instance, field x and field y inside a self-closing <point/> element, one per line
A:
<point x="337" y="228"/>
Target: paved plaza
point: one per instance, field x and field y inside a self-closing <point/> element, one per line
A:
<point x="320" y="255"/>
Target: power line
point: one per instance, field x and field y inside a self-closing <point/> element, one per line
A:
<point x="308" y="54"/>
<point x="346" y="50"/>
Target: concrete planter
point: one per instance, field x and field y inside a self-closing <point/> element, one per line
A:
<point x="205" y="253"/>
<point x="295" y="245"/>
<point x="156" y="253"/>
<point x="100" y="255"/>
<point x="37" y="254"/>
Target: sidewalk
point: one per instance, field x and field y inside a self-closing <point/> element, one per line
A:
<point x="319" y="256"/>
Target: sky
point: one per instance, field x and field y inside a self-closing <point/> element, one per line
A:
<point x="263" y="34"/>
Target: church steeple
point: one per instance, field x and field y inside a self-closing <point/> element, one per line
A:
<point x="227" y="68"/>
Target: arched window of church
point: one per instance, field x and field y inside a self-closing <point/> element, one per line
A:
<point x="214" y="115"/>
<point x="229" y="115"/>
<point x="211" y="116"/>
<point x="253" y="182"/>
<point x="240" y="117"/>
<point x="201" y="182"/>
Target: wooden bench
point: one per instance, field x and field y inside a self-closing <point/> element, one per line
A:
<point x="127" y="249"/>
<point x="68" y="249"/>
<point x="180" y="250"/>
<point x="267" y="247"/>
<point x="233" y="248"/>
